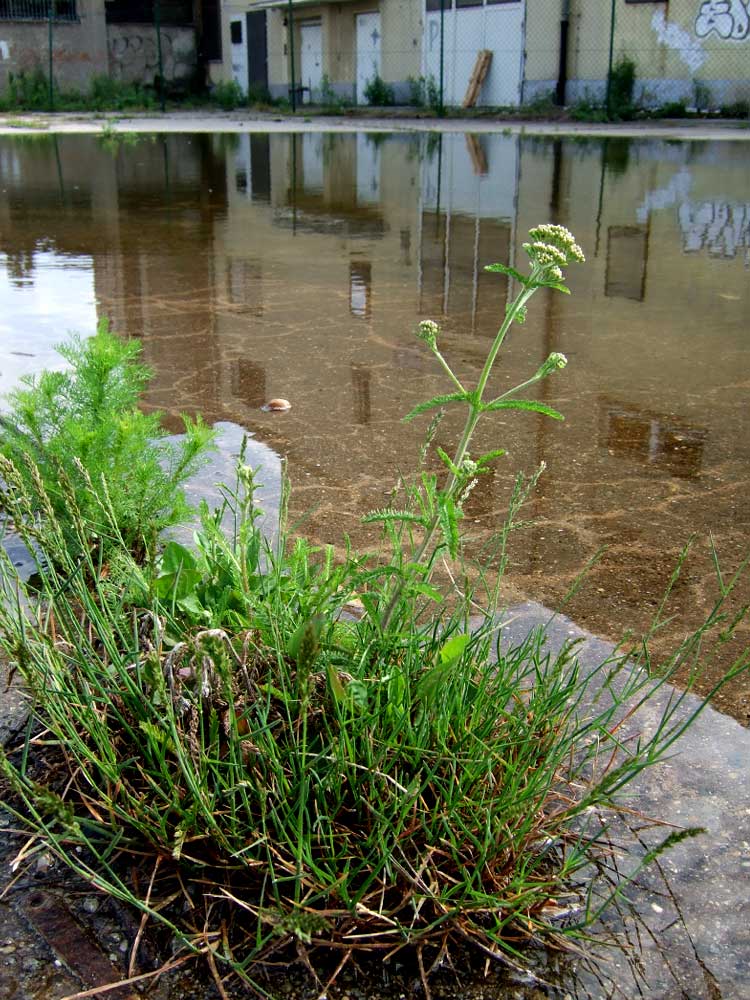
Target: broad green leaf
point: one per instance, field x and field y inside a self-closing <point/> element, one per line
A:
<point x="428" y="590"/>
<point x="334" y="682"/>
<point x="432" y="682"/>
<point x="305" y="642"/>
<point x="176" y="557"/>
<point x="356" y="691"/>
<point x="453" y="649"/>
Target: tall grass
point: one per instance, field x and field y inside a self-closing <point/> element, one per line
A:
<point x="221" y="743"/>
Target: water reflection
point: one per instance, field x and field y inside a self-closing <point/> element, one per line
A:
<point x="255" y="266"/>
<point x="297" y="266"/>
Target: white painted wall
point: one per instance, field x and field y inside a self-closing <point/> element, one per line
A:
<point x="239" y="56"/>
<point x="368" y="52"/>
<point x="311" y="59"/>
<point x="497" y="27"/>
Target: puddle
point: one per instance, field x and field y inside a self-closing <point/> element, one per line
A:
<point x="261" y="266"/>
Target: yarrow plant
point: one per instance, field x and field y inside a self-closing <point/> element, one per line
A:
<point x="551" y="249"/>
<point x="217" y="740"/>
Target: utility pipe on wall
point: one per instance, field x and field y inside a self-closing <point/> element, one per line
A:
<point x="562" y="70"/>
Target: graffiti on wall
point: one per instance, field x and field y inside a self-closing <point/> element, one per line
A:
<point x="671" y="35"/>
<point x="134" y="56"/>
<point x="729" y="19"/>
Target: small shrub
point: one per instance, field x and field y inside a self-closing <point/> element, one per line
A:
<point x="542" y="104"/>
<point x="378" y="93"/>
<point x="84" y="433"/>
<point x="258" y="94"/>
<point x="621" y="86"/>
<point x="672" y="109"/>
<point x="417" y="91"/>
<point x="29" y="91"/>
<point x="739" y="109"/>
<point x="228" y="95"/>
<point x="424" y="92"/>
<point x="587" y="110"/>
<point x="106" y="94"/>
<point x="702" y="97"/>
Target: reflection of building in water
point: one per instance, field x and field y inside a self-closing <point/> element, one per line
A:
<point x="469" y="199"/>
<point x="361" y="378"/>
<point x="656" y="439"/>
<point x="360" y="288"/>
<point x="627" y="254"/>
<point x="722" y="228"/>
<point x="156" y="280"/>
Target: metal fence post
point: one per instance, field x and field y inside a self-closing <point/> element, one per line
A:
<point x="562" y="66"/>
<point x="292" y="88"/>
<point x="608" y="99"/>
<point x="51" y="81"/>
<point x="157" y="19"/>
<point x="441" y="108"/>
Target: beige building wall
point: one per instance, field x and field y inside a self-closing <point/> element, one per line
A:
<point x="400" y="46"/>
<point x="680" y="52"/>
<point x="542" y="60"/>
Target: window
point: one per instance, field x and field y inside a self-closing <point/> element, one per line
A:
<point x="37" y="10"/>
<point x="235" y="29"/>
<point x="175" y="12"/>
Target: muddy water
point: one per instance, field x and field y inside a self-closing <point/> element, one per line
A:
<point x="257" y="266"/>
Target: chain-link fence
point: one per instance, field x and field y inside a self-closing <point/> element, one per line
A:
<point x="685" y="54"/>
<point x="614" y="54"/>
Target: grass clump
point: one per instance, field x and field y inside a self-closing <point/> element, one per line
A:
<point x="225" y="745"/>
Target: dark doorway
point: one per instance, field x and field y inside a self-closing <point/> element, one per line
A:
<point x="257" y="54"/>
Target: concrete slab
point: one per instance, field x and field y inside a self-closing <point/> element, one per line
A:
<point x="252" y="121"/>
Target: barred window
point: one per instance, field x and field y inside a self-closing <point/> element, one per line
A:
<point x="173" y="12"/>
<point x="37" y="10"/>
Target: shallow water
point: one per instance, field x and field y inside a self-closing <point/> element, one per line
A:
<point x="257" y="266"/>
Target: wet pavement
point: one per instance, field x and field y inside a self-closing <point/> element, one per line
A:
<point x="255" y="265"/>
<point x="265" y="264"/>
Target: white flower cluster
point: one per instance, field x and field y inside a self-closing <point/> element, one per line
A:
<point x="561" y="238"/>
<point x="553" y="248"/>
<point x="557" y="359"/>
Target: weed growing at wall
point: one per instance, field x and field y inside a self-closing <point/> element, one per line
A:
<point x="620" y="90"/>
<point x="378" y="93"/>
<point x="278" y="752"/>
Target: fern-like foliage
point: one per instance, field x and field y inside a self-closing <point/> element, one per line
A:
<point x="84" y="424"/>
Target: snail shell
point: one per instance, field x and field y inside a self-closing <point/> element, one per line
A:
<point x="277" y="405"/>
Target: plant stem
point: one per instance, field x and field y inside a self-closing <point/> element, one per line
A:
<point x="475" y="412"/>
